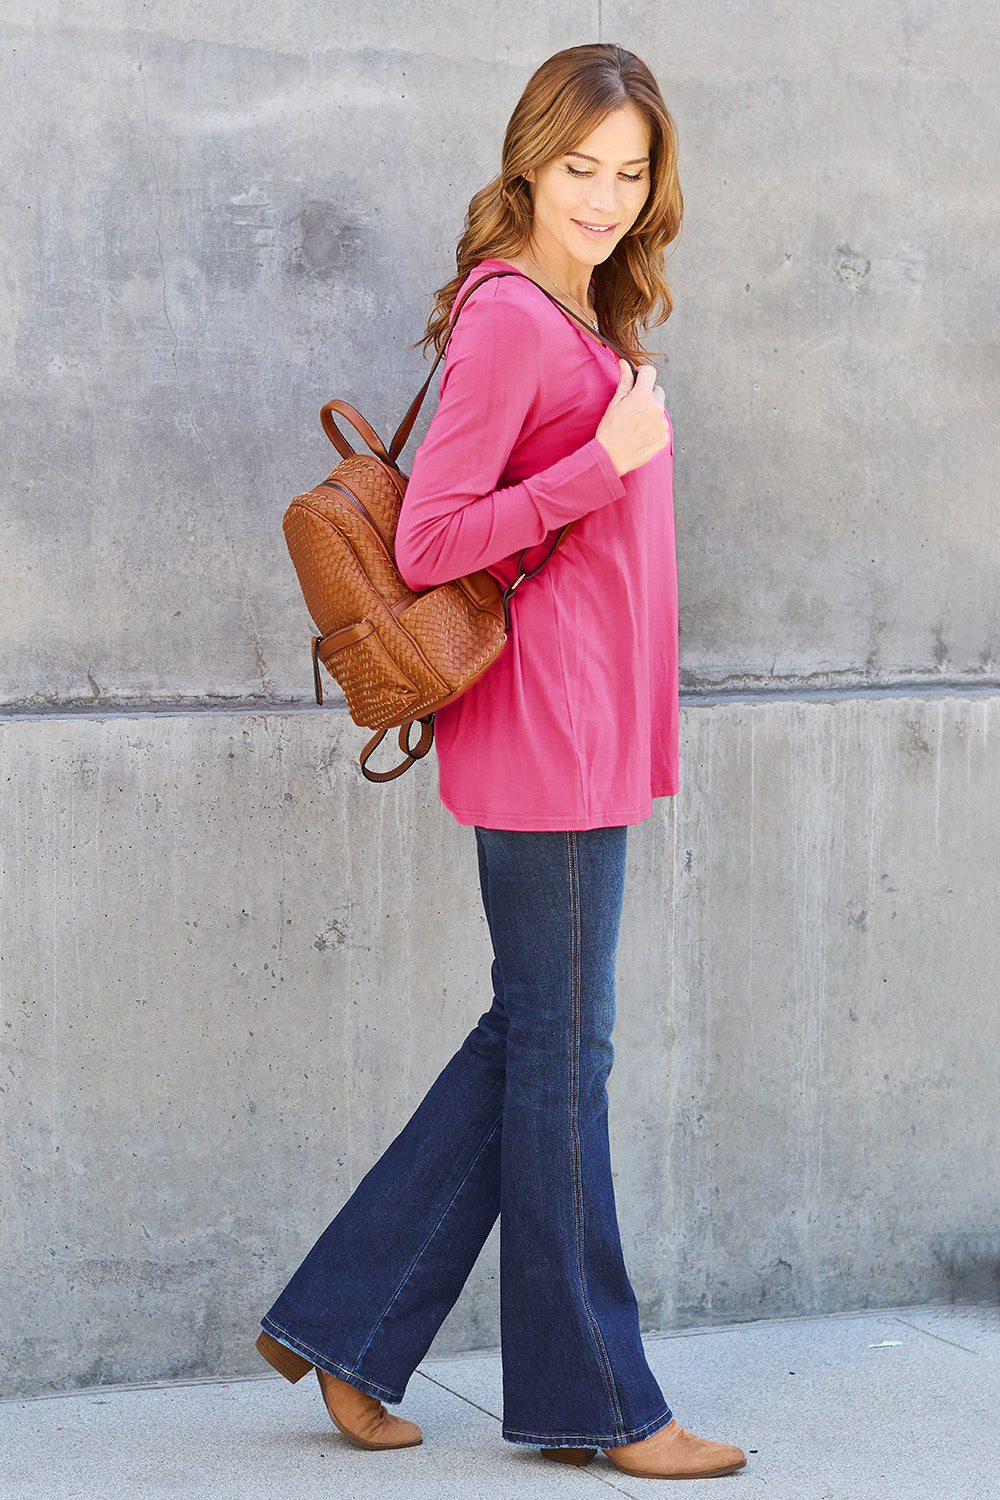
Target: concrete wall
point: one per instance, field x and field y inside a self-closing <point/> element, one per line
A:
<point x="222" y="988"/>
<point x="230" y="967"/>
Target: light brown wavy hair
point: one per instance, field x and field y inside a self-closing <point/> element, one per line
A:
<point x="566" y="99"/>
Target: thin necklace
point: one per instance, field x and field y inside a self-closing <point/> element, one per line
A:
<point x="589" y="319"/>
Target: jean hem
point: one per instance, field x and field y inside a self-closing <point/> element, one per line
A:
<point x="331" y="1366"/>
<point x="588" y="1440"/>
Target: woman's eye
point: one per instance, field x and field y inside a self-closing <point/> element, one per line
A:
<point x="625" y="176"/>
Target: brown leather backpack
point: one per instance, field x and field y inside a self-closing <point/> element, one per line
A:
<point x="398" y="655"/>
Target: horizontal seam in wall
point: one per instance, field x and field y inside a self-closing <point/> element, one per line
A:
<point x="167" y="708"/>
<point x="689" y="697"/>
<point x="812" y="693"/>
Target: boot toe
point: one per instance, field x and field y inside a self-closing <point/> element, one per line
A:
<point x="673" y="1453"/>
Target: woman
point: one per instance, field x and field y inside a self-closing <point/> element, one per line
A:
<point x="550" y="756"/>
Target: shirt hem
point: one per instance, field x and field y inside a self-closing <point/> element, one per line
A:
<point x="537" y="823"/>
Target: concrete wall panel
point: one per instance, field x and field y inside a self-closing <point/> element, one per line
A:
<point x="221" y="217"/>
<point x="230" y="968"/>
<point x="835" y="1000"/>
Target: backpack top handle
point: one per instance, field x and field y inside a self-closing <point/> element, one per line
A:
<point x="357" y="421"/>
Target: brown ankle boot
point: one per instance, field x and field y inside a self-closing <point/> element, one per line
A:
<point x="358" y="1416"/>
<point x="363" y="1419"/>
<point x="673" y="1453"/>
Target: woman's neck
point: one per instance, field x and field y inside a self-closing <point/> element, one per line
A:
<point x="572" y="287"/>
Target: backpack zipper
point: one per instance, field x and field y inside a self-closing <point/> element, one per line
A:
<point x="330" y="484"/>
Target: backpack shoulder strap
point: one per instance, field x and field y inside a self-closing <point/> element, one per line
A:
<point x="402" y="433"/>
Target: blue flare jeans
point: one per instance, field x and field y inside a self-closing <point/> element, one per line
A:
<point x="515" y="1125"/>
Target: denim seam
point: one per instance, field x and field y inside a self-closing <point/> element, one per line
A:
<point x="416" y="1259"/>
<point x="602" y="1353"/>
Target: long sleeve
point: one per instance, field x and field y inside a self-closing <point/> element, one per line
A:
<point x="464" y="509"/>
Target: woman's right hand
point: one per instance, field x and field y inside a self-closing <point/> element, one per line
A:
<point x="634" y="428"/>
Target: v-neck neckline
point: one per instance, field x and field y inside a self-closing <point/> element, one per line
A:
<point x="594" y="335"/>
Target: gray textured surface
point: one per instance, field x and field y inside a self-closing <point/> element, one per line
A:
<point x="230" y="968"/>
<point x="226" y="213"/>
<point x="853" y="1408"/>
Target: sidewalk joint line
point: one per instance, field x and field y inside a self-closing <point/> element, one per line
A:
<point x="917" y="1329"/>
<point x="452" y="1392"/>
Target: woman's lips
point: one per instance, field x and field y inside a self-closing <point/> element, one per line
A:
<point x="598" y="231"/>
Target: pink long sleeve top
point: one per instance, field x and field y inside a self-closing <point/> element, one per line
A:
<point x="576" y="724"/>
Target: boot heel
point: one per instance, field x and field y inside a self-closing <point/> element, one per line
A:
<point x="285" y="1361"/>
<point x="579" y="1456"/>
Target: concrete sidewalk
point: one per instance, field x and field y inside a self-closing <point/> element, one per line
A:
<point x="863" y="1406"/>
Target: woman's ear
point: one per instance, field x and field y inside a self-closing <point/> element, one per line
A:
<point x="529" y="176"/>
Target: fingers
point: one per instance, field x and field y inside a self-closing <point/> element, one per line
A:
<point x="645" y="384"/>
<point x="645" y="377"/>
<point x="625" y="382"/>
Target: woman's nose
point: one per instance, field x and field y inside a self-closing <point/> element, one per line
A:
<point x="603" y="193"/>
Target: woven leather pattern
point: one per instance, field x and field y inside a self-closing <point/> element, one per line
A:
<point x="379" y="489"/>
<point x="423" y="649"/>
<point x="371" y="681"/>
<point x="458" y="638"/>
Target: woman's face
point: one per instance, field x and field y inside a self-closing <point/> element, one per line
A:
<point x="587" y="199"/>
